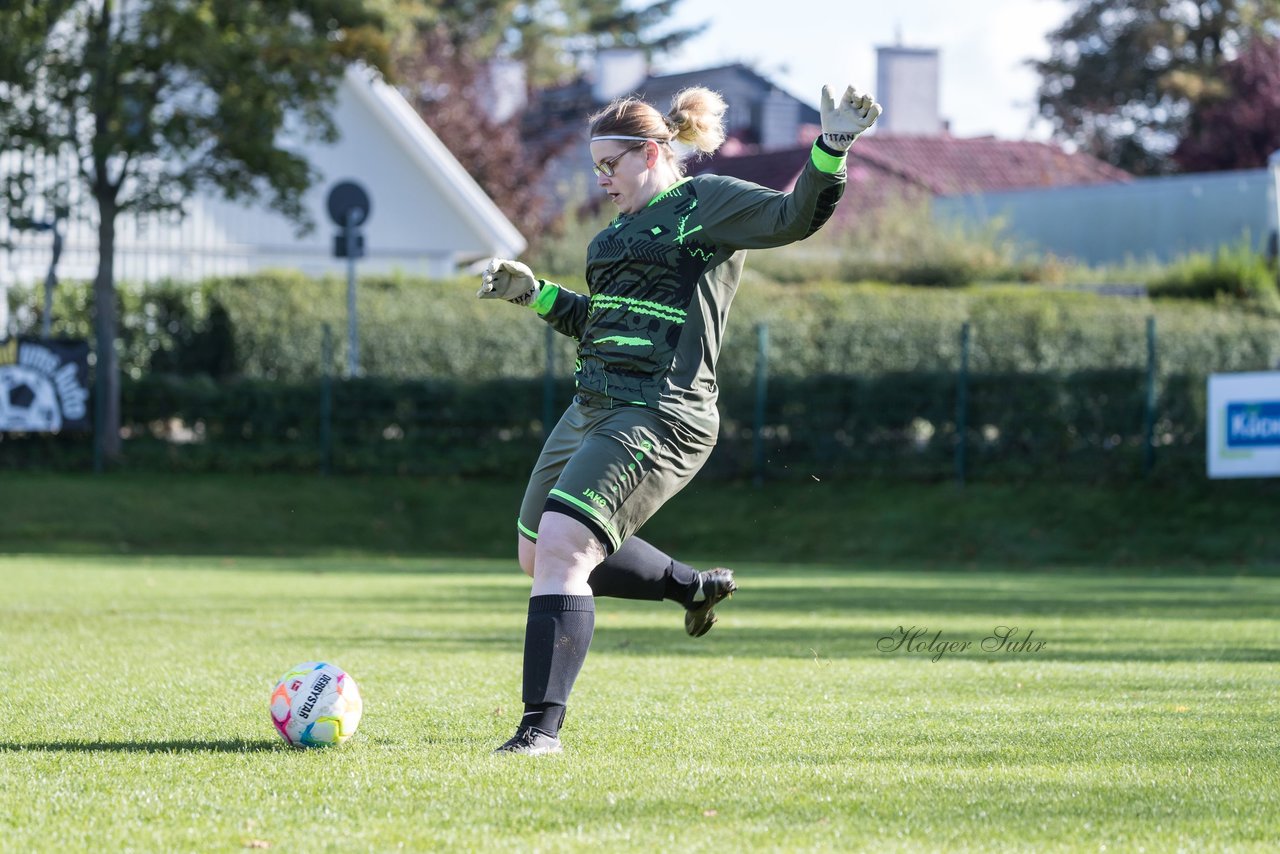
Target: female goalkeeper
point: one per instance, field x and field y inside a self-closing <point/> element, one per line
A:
<point x="643" y="421"/>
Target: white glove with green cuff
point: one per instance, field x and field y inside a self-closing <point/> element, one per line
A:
<point x="843" y="122"/>
<point x="508" y="280"/>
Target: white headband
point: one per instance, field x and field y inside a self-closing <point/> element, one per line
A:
<point x="637" y="138"/>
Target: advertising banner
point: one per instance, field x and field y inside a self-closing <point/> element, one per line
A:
<point x="44" y="385"/>
<point x="1244" y="425"/>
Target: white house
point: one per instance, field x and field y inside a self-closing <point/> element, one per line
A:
<point x="428" y="216"/>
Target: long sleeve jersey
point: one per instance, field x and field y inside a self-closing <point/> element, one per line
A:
<point x="662" y="279"/>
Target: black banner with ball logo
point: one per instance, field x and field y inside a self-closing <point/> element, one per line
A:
<point x="44" y="385"/>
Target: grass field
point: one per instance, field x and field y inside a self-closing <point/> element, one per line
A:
<point x="135" y="711"/>
<point x="1207" y="528"/>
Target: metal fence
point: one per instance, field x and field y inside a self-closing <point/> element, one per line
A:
<point x="1095" y="425"/>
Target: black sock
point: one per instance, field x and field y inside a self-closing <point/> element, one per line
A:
<point x="639" y="571"/>
<point x="556" y="639"/>
<point x="683" y="584"/>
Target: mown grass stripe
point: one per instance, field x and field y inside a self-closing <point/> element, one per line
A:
<point x="139" y="687"/>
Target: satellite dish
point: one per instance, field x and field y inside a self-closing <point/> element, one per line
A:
<point x="348" y="197"/>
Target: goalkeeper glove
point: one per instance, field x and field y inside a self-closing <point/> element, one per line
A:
<point x="508" y="280"/>
<point x="843" y="122"/>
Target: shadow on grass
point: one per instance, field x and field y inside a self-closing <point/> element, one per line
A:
<point x="503" y="564"/>
<point x="225" y="746"/>
<point x="1156" y="598"/>
<point x="824" y="615"/>
<point x="820" y="644"/>
<point x="857" y="595"/>
<point x="824" y="645"/>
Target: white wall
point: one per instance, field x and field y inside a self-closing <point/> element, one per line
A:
<point x="422" y="220"/>
<point x="1148" y="218"/>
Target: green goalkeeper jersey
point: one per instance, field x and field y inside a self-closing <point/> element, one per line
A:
<point x="661" y="282"/>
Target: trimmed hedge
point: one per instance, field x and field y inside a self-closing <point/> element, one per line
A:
<point x="271" y="327"/>
<point x="1082" y="426"/>
<point x="226" y="376"/>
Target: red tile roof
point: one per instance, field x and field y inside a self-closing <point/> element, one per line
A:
<point x="884" y="165"/>
<point x="984" y="164"/>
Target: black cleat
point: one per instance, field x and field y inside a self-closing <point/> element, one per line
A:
<point x="717" y="585"/>
<point x="531" y="742"/>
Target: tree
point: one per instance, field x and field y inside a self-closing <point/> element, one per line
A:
<point x="1241" y="128"/>
<point x="549" y="37"/>
<point x="150" y="101"/>
<point x="444" y="76"/>
<point x="443" y="53"/>
<point x="554" y="53"/>
<point x="1124" y="76"/>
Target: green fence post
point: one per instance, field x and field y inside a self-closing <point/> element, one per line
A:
<point x="549" y="384"/>
<point x="326" y="401"/>
<point x="762" y="393"/>
<point x="1149" y="404"/>
<point x="962" y="404"/>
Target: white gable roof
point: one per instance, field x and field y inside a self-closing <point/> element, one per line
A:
<point x="428" y="214"/>
<point x="421" y="195"/>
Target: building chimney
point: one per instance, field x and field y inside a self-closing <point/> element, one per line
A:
<point x="907" y="87"/>
<point x="619" y="71"/>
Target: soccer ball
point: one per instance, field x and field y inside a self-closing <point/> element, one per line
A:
<point x="316" y="705"/>
<point x="28" y="401"/>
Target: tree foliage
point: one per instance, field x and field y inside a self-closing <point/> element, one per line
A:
<point x="1241" y="128"/>
<point x="1124" y="76"/>
<point x="141" y="103"/>
<point x="151" y="100"/>
<point x="444" y="58"/>
<point x="549" y="37"/>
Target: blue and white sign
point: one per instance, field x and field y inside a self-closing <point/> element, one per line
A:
<point x="44" y="385"/>
<point x="1244" y="425"/>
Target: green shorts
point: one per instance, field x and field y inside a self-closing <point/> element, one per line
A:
<point x="610" y="469"/>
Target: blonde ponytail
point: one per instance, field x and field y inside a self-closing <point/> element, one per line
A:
<point x="695" y="124"/>
<point x="696" y="119"/>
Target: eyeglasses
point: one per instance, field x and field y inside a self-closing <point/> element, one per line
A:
<point x="605" y="167"/>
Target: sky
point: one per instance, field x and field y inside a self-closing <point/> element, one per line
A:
<point x="801" y="44"/>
